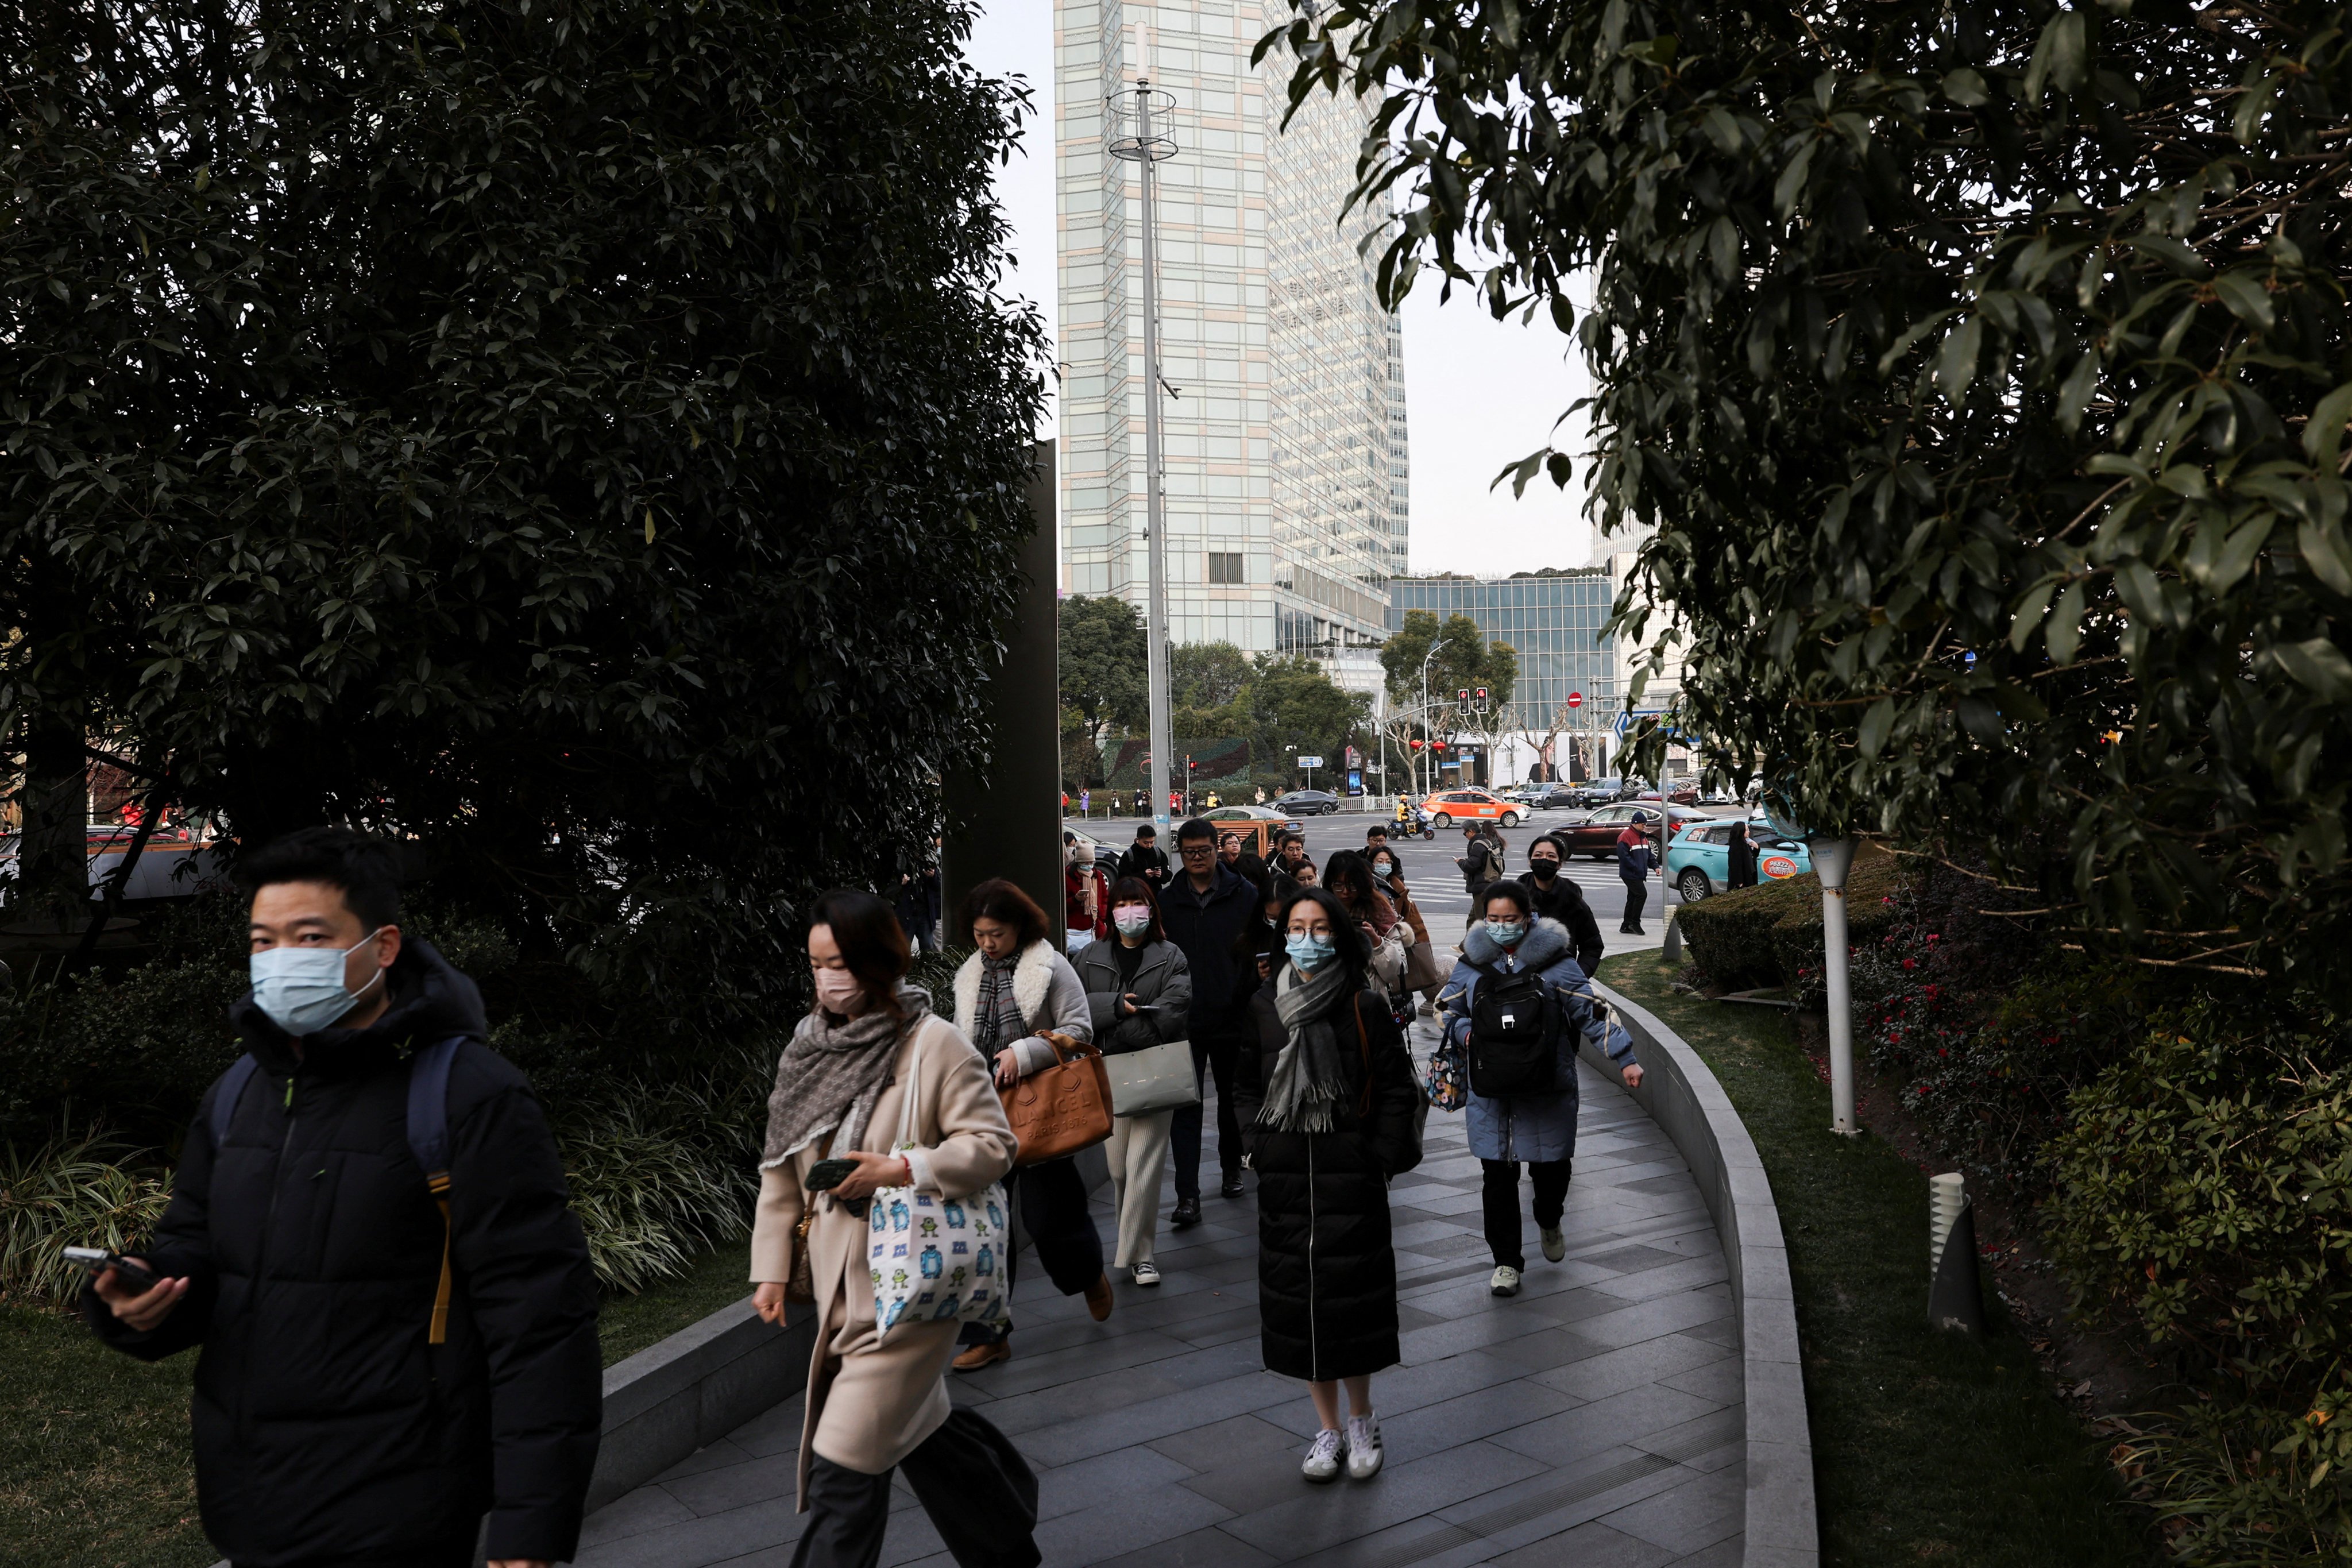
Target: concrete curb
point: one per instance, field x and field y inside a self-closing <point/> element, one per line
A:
<point x="1683" y="1097"/>
<point x="692" y="1389"/>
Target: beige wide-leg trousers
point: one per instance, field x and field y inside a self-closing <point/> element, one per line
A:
<point x="1137" y="1152"/>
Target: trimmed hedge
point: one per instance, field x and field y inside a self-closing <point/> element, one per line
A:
<point x="1771" y="934"/>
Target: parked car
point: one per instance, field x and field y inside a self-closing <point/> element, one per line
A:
<point x="1307" y="802"/>
<point x="173" y="864"/>
<point x="1546" y="796"/>
<point x="1597" y="835"/>
<point x="1256" y="823"/>
<point x="1699" y="862"/>
<point x="1598" y="792"/>
<point x="1681" y="794"/>
<point x="1449" y="809"/>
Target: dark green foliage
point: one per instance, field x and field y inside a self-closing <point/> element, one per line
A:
<point x="578" y="435"/>
<point x="1927" y="1447"/>
<point x="1771" y="934"/>
<point x="2205" y="1201"/>
<point x="1983" y="371"/>
<point x="1102" y="658"/>
<point x="1463" y="661"/>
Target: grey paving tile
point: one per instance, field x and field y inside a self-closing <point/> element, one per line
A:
<point x="1208" y="1548"/>
<point x="734" y="1485"/>
<point x="1718" y="1379"/>
<point x="1125" y="1519"/>
<point x="1624" y="1417"/>
<point x="1084" y="1483"/>
<point x="648" y="1508"/>
<point x="1434" y="1428"/>
<point x="1631" y="1367"/>
<point x="1327" y="1516"/>
<point x="1696" y="1513"/>
<point x="1116" y="1429"/>
<point x="712" y="1457"/>
<point x="1592" y="1545"/>
<point x="1234" y="1440"/>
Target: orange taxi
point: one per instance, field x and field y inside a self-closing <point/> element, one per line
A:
<point x="1452" y="807"/>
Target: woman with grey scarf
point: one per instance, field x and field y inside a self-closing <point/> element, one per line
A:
<point x="878" y="1401"/>
<point x="1325" y="1095"/>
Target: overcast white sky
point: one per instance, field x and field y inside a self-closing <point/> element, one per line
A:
<point x="1479" y="393"/>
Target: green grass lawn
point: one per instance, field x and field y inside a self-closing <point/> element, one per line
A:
<point x="94" y="1468"/>
<point x="1927" y="1447"/>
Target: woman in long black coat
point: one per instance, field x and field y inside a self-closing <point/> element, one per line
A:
<point x="1325" y="1099"/>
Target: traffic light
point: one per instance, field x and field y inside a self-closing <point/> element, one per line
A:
<point x="1482" y="700"/>
<point x="1461" y="697"/>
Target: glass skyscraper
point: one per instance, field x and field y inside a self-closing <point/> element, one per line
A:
<point x="1551" y="620"/>
<point x="1283" y="415"/>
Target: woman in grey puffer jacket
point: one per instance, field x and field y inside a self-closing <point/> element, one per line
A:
<point x="1538" y="1130"/>
<point x="1140" y="993"/>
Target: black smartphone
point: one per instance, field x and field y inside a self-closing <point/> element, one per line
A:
<point x="828" y="1174"/>
<point x="98" y="1260"/>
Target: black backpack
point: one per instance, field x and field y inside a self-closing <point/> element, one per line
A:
<point x="428" y="1141"/>
<point x="1515" y="1026"/>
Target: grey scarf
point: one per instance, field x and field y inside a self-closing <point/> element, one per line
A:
<point x="1310" y="1074"/>
<point x="831" y="1075"/>
<point x="997" y="1021"/>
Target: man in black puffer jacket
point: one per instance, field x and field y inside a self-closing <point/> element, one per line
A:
<point x="341" y="1420"/>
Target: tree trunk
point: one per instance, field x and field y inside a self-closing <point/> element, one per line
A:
<point x="52" y="863"/>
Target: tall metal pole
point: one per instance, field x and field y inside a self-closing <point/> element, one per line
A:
<point x="1833" y="858"/>
<point x="1146" y="148"/>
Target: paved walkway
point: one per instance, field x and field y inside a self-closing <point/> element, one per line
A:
<point x="1594" y="1421"/>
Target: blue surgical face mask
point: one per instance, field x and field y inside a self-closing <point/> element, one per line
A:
<point x="1309" y="952"/>
<point x="1506" y="933"/>
<point x="302" y="990"/>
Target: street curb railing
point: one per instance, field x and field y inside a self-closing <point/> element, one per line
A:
<point x="1682" y="1096"/>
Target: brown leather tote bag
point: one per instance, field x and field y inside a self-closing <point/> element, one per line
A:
<point x="1062" y="1109"/>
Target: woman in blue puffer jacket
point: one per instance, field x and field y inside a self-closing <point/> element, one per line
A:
<point x="1538" y="1130"/>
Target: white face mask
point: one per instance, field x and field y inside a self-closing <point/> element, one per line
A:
<point x="302" y="990"/>
<point x="1132" y="920"/>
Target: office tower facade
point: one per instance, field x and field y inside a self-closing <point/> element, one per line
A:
<point x="1553" y="621"/>
<point x="1282" y="409"/>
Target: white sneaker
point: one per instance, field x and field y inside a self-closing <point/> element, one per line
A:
<point x="1146" y="1273"/>
<point x="1555" y="1246"/>
<point x="1506" y="1282"/>
<point x="1323" y="1459"/>
<point x="1363" y="1447"/>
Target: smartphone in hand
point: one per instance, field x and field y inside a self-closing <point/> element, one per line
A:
<point x="98" y="1260"/>
<point x="828" y="1174"/>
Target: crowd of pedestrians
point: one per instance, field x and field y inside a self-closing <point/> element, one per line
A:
<point x="1287" y="989"/>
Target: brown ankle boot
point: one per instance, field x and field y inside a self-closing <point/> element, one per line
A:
<point x="974" y="1357"/>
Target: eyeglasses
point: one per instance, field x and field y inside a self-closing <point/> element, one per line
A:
<point x="1196" y="850"/>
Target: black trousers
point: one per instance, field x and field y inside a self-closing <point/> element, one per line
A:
<point x="1636" y="895"/>
<point x="1499" y="1200"/>
<point x="1052" y="1198"/>
<point x="981" y="1494"/>
<point x="1221" y="1056"/>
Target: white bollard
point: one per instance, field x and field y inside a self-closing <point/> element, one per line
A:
<point x="1946" y="1196"/>
<point x="1833" y="858"/>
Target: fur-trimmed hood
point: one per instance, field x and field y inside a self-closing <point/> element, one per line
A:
<point x="1541" y="948"/>
<point x="1033" y="982"/>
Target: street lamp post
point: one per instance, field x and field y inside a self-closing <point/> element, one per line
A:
<point x="1146" y="148"/>
<point x="1436" y="643"/>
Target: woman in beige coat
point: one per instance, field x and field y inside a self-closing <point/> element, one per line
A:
<point x="874" y="1402"/>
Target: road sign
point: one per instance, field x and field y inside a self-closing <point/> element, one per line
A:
<point x="1310" y="761"/>
<point x="1575" y="699"/>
